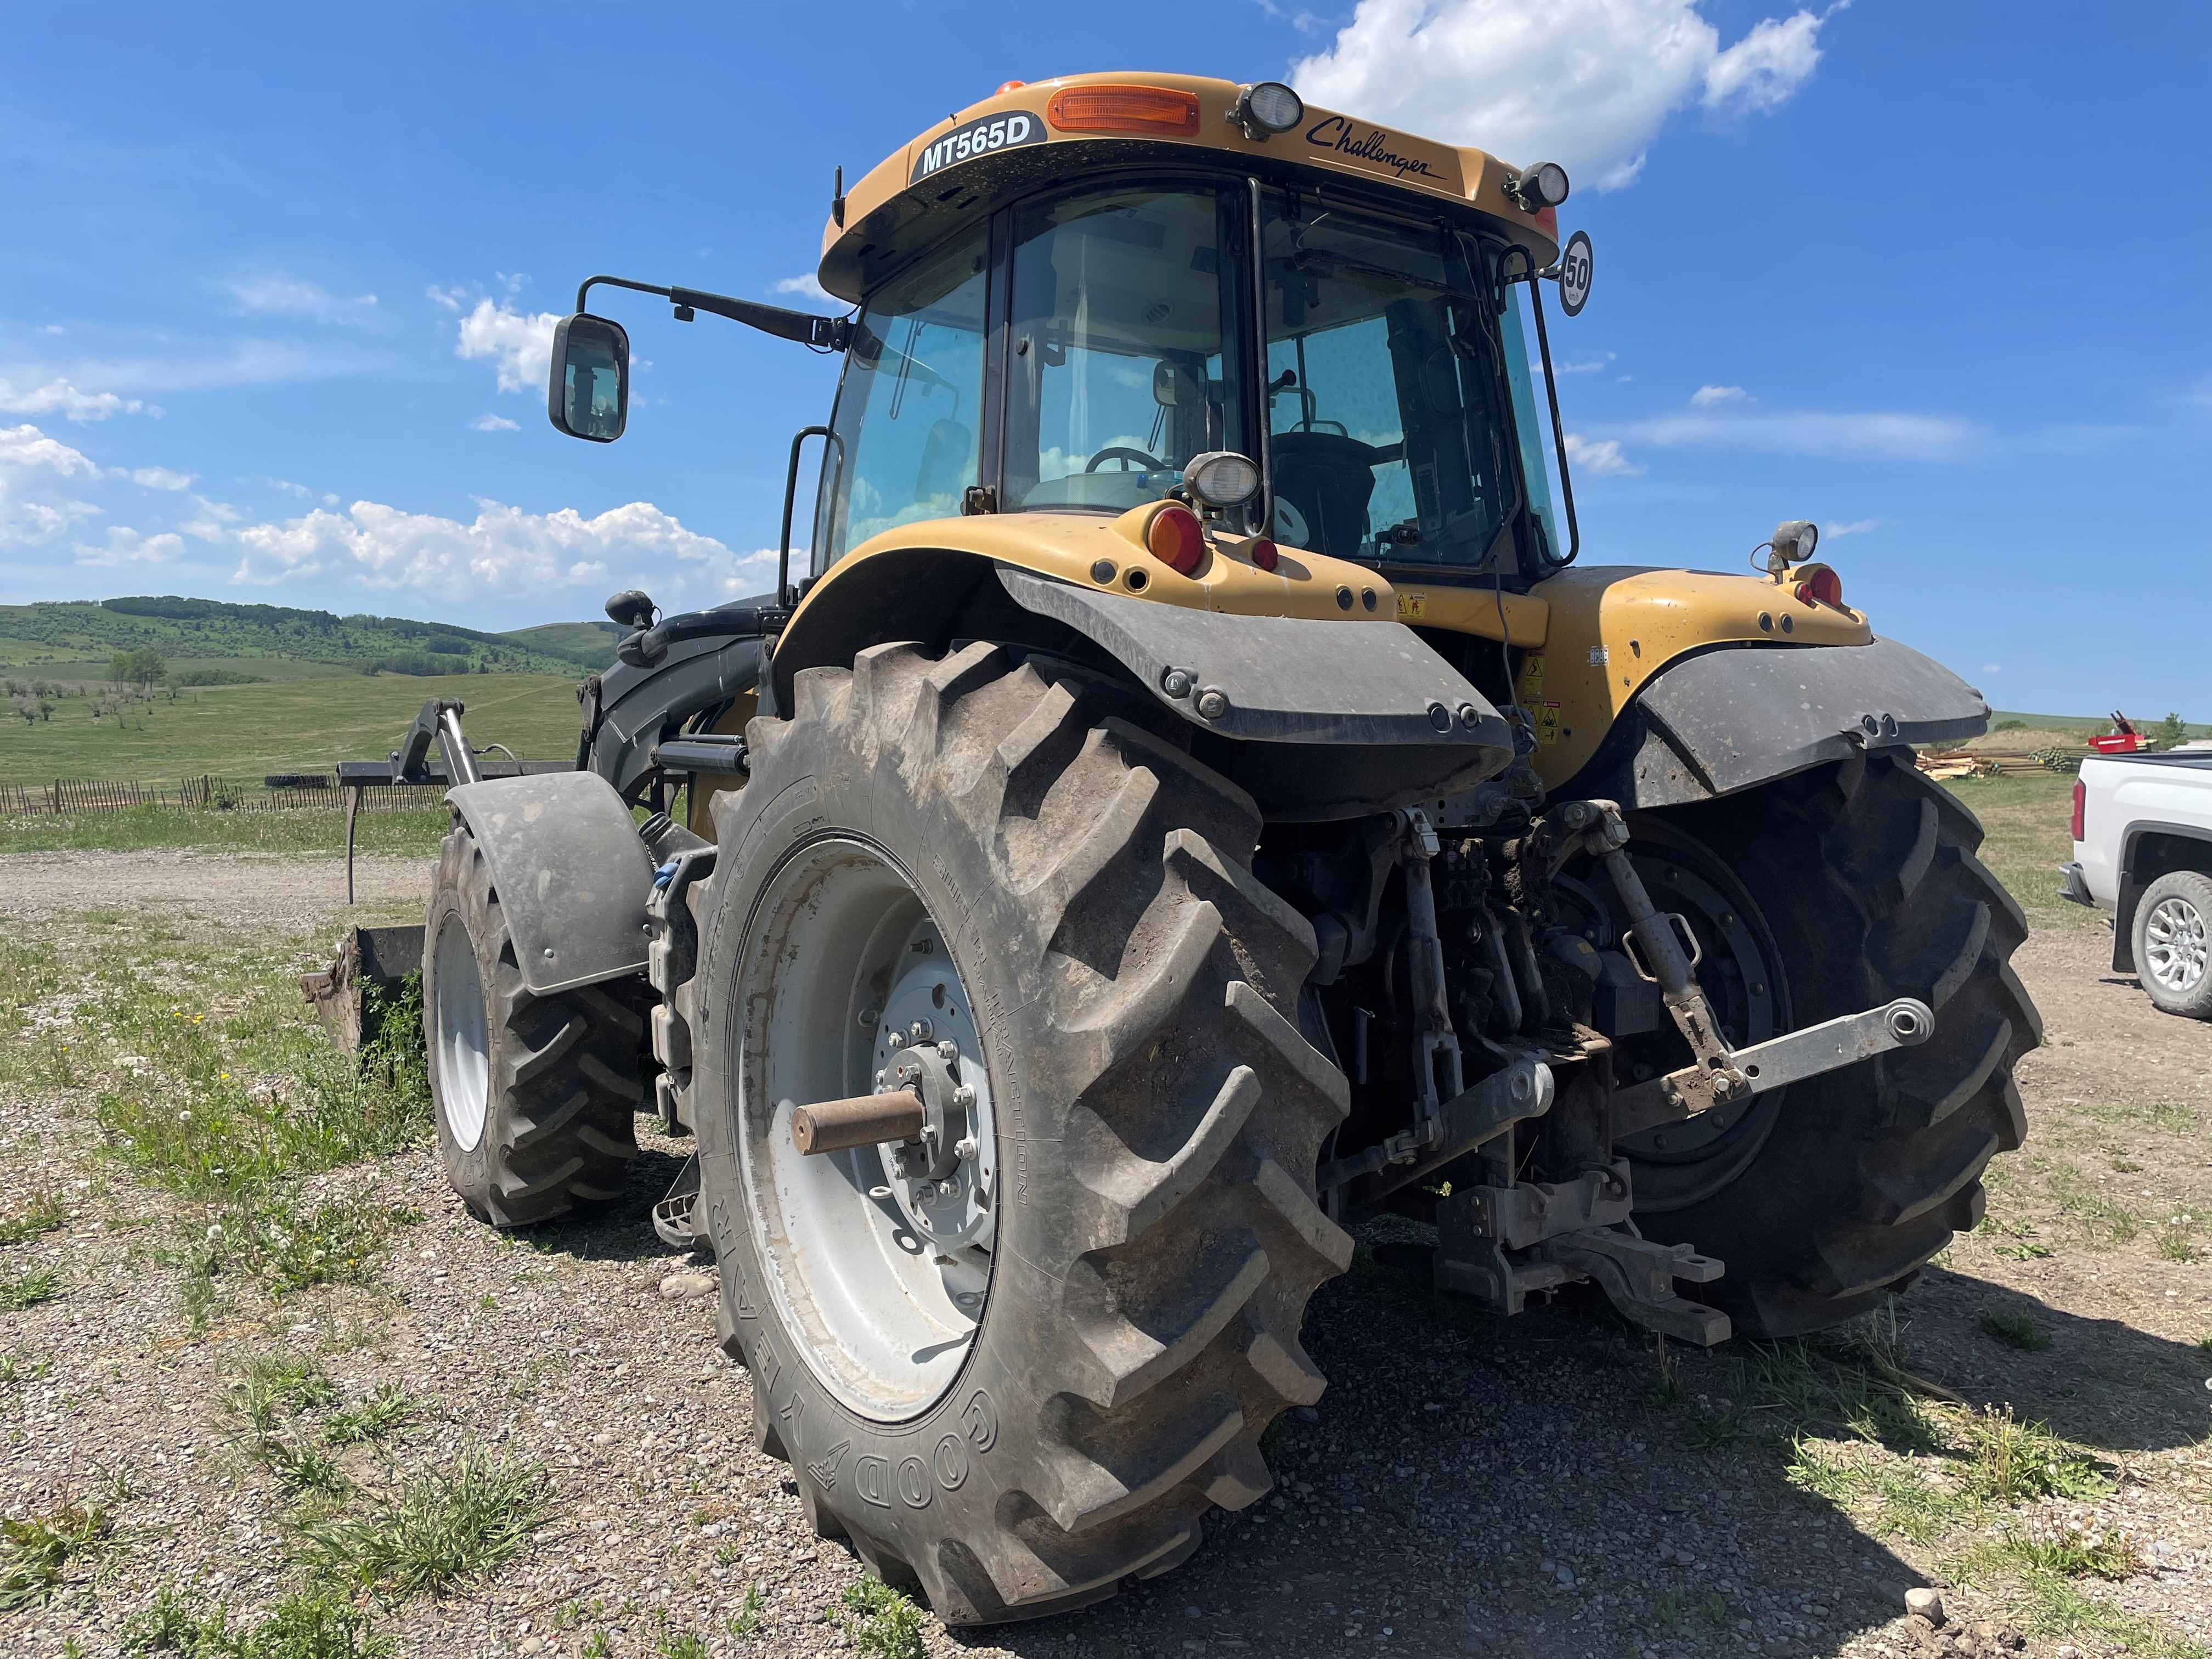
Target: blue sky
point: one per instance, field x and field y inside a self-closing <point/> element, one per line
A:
<point x="273" y="303"/>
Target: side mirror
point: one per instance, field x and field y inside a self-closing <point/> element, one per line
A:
<point x="588" y="394"/>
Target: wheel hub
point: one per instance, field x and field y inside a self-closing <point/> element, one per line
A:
<point x="2175" y="937"/>
<point x="943" y="1180"/>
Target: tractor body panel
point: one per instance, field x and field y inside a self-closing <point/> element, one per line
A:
<point x="945" y="178"/>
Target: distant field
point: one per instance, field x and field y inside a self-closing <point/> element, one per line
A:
<point x="89" y="671"/>
<point x="2026" y="816"/>
<point x="243" y="732"/>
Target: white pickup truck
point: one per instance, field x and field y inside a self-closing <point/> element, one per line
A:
<point x="2142" y="850"/>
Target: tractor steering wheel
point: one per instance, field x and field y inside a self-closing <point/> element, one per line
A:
<point x="1124" y="454"/>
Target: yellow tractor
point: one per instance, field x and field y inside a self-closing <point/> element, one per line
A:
<point x="1185" y="797"/>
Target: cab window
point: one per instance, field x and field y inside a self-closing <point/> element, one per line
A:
<point x="1125" y="355"/>
<point x="907" y="410"/>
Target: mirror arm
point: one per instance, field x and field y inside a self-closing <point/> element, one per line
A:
<point x="821" y="333"/>
<point x="1529" y="274"/>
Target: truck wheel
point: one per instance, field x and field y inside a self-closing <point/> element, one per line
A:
<point x="2173" y="931"/>
<point x="1818" y="896"/>
<point x="534" y="1095"/>
<point x="1022" y="1374"/>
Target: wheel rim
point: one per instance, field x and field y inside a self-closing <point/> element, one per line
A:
<point x="462" y="1034"/>
<point x="1741" y="973"/>
<point x="2174" y="944"/>
<point x="882" y="1272"/>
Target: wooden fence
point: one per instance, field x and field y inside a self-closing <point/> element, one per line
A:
<point x="208" y="792"/>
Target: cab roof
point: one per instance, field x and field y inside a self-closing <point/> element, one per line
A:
<point x="1027" y="136"/>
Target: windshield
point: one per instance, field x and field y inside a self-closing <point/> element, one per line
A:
<point x="1125" y="360"/>
<point x="906" y="411"/>
<point x="1389" y="435"/>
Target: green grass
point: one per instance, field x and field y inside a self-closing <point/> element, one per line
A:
<point x="27" y="1288"/>
<point x="444" y="1528"/>
<point x="303" y="832"/>
<point x="40" y="1216"/>
<point x="888" y="1626"/>
<point x="33" y="1552"/>
<point x="319" y="1624"/>
<point x="2026" y="818"/>
<point x="275" y="1386"/>
<point x="243" y="732"/>
<point x="384" y="1412"/>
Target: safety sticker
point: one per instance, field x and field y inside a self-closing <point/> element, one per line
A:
<point x="1413" y="606"/>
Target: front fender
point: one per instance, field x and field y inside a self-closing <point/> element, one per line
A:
<point x="1723" y="720"/>
<point x="572" y="876"/>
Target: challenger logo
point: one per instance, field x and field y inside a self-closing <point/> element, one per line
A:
<point x="980" y="138"/>
<point x="1367" y="144"/>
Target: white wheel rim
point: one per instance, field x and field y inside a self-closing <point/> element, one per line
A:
<point x="461" y="1032"/>
<point x="883" y="1278"/>
<point x="2174" y="944"/>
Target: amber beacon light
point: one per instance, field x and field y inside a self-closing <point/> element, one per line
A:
<point x="1155" y="110"/>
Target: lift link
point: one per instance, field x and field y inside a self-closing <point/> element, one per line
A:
<point x="1436" y="1045"/>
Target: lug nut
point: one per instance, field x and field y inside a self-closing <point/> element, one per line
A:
<point x="920" y="1032"/>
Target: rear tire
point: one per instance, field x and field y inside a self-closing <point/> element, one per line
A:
<point x="534" y="1094"/>
<point x="2173" y="920"/>
<point x="1839" y="1190"/>
<point x="1157" y="1123"/>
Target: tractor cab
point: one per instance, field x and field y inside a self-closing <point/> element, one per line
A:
<point x="1071" y="292"/>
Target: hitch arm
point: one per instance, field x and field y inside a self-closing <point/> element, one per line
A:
<point x="1782" y="1061"/>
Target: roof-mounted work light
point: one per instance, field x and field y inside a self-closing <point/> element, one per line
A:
<point x="1543" y="185"/>
<point x="1266" y="108"/>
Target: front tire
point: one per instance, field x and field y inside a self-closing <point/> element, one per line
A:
<point x="534" y="1095"/>
<point x="1157" y="1119"/>
<point x="1826" y="1197"/>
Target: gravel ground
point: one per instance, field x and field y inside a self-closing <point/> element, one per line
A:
<point x="1465" y="1486"/>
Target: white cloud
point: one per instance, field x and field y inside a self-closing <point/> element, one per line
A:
<point x="1763" y="71"/>
<point x="275" y="294"/>
<point x="35" y="472"/>
<point x="1587" y="83"/>
<point x="1598" y="458"/>
<point x="1992" y="668"/>
<point x="809" y="288"/>
<point x="154" y="477"/>
<point x="1706" y="395"/>
<point x="125" y="546"/>
<point x="25" y="448"/>
<point x="236" y="363"/>
<point x="451" y="299"/>
<point x="504" y="551"/>
<point x="1587" y="366"/>
<point x="1850" y="527"/>
<point x="493" y="423"/>
<point x="60" y="397"/>
<point x="1880" y="436"/>
<point x="519" y="343"/>
<point x="1303" y="21"/>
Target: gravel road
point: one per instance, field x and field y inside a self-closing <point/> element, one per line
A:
<point x="1466" y="1486"/>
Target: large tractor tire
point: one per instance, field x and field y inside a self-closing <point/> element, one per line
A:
<point x="534" y="1095"/>
<point x="1024" y="1382"/>
<point x="1818" y="896"/>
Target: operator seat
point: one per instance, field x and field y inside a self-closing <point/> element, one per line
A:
<point x="948" y="453"/>
<point x="1329" y="478"/>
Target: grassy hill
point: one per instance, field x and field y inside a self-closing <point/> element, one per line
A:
<point x="74" y="641"/>
<point x="245" y="732"/>
<point x="591" y="643"/>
